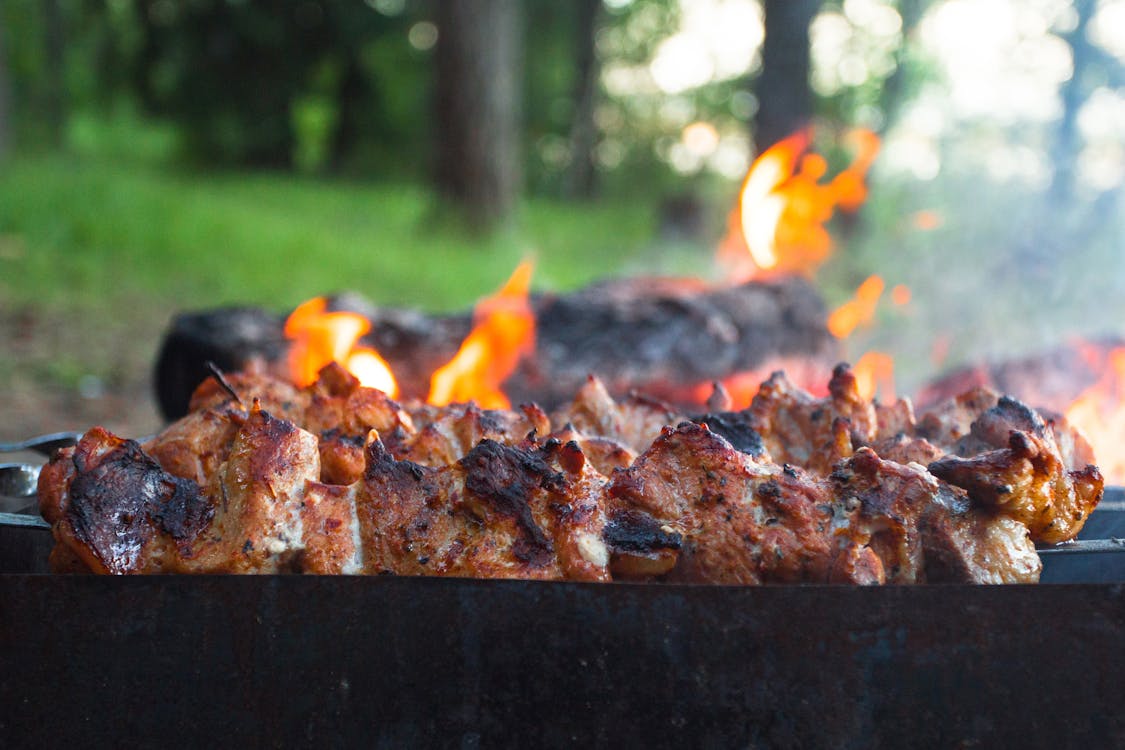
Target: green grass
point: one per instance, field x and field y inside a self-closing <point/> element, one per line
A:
<point x="72" y="229"/>
<point x="97" y="255"/>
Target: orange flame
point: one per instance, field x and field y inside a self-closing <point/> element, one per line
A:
<point x="1099" y="412"/>
<point x="875" y="376"/>
<point x="859" y="310"/>
<point x="778" y="226"/>
<point x="741" y="387"/>
<point x="321" y="337"/>
<point x="503" y="332"/>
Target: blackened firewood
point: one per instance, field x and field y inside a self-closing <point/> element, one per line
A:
<point x="658" y="335"/>
<point x="229" y="337"/>
<point x="647" y="334"/>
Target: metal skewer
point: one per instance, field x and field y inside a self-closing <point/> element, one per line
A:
<point x="23" y="520"/>
<point x="19" y="480"/>
<point x="46" y="445"/>
<point x="1085" y="547"/>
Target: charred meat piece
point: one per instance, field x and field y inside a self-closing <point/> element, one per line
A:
<point x="604" y="454"/>
<point x="446" y="434"/>
<point x="634" y="422"/>
<point x="278" y="397"/>
<point x="1010" y="462"/>
<point x="924" y="530"/>
<point x="499" y="512"/>
<point x="947" y="423"/>
<point x="117" y="511"/>
<point x="814" y="433"/>
<point x="737" y="429"/>
<point x="640" y="546"/>
<point x="1074" y="448"/>
<point x="114" y="510"/>
<point x="342" y="412"/>
<point x="196" y="445"/>
<point x="1028" y="482"/>
<point x="739" y="521"/>
<point x="258" y="498"/>
<point x="949" y="426"/>
<point x="336" y="408"/>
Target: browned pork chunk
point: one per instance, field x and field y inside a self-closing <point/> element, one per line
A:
<point x="1010" y="462"/>
<point x="924" y="530"/>
<point x="794" y="489"/>
<point x="501" y="511"/>
<point x="814" y="433"/>
<point x="740" y="521"/>
<point x="114" y="508"/>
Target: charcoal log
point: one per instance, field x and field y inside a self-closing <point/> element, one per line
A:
<point x="230" y="337"/>
<point x="662" y="336"/>
<point x="654" y="335"/>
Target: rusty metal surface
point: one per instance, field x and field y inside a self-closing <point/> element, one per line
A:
<point x="389" y="662"/>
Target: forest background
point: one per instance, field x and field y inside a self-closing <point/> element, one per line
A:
<point x="166" y="155"/>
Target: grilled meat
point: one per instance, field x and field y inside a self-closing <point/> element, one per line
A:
<point x="924" y="530"/>
<point x="1010" y="461"/>
<point x="740" y="521"/>
<point x="118" y="511"/>
<point x="500" y="511"/>
<point x="113" y="509"/>
<point x="337" y="478"/>
<point x="814" y="433"/>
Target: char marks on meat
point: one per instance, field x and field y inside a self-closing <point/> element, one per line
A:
<point x="338" y="478"/>
<point x="118" y="506"/>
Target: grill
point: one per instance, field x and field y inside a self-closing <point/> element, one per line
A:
<point x="394" y="662"/>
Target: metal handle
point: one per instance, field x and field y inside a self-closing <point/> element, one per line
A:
<point x="19" y="480"/>
<point x="23" y="520"/>
<point x="46" y="445"/>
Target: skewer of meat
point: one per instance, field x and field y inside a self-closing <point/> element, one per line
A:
<point x="337" y="478"/>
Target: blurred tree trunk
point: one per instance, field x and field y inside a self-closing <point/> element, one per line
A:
<point x="5" y="101"/>
<point x="352" y="91"/>
<point x="478" y="108"/>
<point x="54" y="50"/>
<point x="1068" y="141"/>
<point x="785" y="100"/>
<point x="582" y="175"/>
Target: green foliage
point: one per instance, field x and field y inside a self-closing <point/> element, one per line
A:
<point x="268" y="83"/>
<point x="86" y="235"/>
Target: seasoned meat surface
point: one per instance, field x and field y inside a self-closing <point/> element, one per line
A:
<point x="115" y="510"/>
<point x="740" y="521"/>
<point x="118" y="511"/>
<point x="498" y="512"/>
<point x="262" y="477"/>
<point x="814" y="433"/>
<point x="924" y="530"/>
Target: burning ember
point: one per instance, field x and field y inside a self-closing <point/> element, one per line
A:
<point x="320" y="337"/>
<point x="778" y="225"/>
<point x="503" y="332"/>
<point x="1099" y="412"/>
